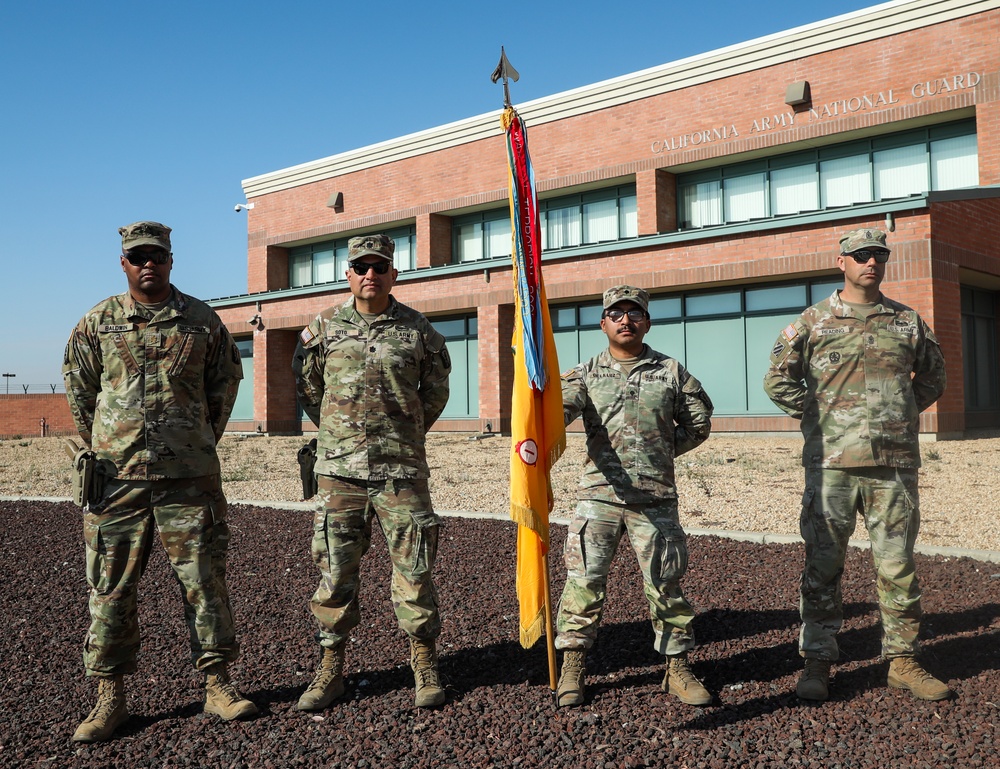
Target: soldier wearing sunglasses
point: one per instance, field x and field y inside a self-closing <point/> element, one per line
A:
<point x="151" y="376"/>
<point x="372" y="374"/>
<point x="857" y="369"/>
<point x="641" y="409"/>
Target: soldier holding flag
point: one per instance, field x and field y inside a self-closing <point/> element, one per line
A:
<point x="641" y="409"/>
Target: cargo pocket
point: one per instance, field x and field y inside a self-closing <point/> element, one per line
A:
<point x="670" y="553"/>
<point x="575" y="552"/>
<point x="98" y="564"/>
<point x="218" y="539"/>
<point x="807" y="515"/>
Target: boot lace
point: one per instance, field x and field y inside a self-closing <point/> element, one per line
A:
<point x="424" y="669"/>
<point x="908" y="667"/>
<point x="330" y="667"/>
<point x="572" y="669"/>
<point x="106" y="702"/>
<point x="816" y="670"/>
<point x="221" y="686"/>
<point x="681" y="670"/>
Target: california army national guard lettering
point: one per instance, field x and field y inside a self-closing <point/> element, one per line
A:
<point x="641" y="409"/>
<point x="373" y="375"/>
<point x="151" y="376"/>
<point x="857" y="369"/>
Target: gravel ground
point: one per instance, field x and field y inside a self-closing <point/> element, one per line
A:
<point x="499" y="711"/>
<point x="731" y="483"/>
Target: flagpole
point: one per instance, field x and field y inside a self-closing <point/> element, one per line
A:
<point x="506" y="71"/>
<point x="550" y="641"/>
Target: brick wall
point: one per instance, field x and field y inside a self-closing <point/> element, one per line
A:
<point x="922" y="76"/>
<point x="23" y="415"/>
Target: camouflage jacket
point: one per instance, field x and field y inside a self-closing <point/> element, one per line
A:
<point x="152" y="393"/>
<point x="636" y="424"/>
<point x="373" y="390"/>
<point x="857" y="383"/>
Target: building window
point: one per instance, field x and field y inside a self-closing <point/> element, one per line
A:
<point x="462" y="335"/>
<point x="243" y="406"/>
<point x="724" y="338"/>
<point x="485" y="235"/>
<point x="882" y="168"/>
<point x="326" y="262"/>
<point x="979" y="349"/>
<point x="598" y="216"/>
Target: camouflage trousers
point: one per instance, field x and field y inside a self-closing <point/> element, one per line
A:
<point x="190" y="516"/>
<point x="342" y="531"/>
<point x="886" y="497"/>
<point x="661" y="548"/>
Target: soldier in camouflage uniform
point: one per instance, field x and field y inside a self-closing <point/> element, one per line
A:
<point x="151" y="376"/>
<point x="372" y="374"/>
<point x="641" y="409"/>
<point x="857" y="369"/>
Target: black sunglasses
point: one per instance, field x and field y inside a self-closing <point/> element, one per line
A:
<point x="633" y="315"/>
<point x="361" y="268"/>
<point x="139" y="258"/>
<point x="862" y="257"/>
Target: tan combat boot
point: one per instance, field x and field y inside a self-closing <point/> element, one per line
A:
<point x="423" y="660"/>
<point x="814" y="680"/>
<point x="679" y="681"/>
<point x="571" y="678"/>
<point x="328" y="683"/>
<point x="907" y="673"/>
<point x="221" y="697"/>
<point x="108" y="714"/>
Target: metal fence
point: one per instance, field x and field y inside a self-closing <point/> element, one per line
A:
<point x="16" y="388"/>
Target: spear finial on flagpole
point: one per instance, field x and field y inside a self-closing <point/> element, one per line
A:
<point x="505" y="70"/>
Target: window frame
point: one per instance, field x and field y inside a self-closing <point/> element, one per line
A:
<point x="706" y="189"/>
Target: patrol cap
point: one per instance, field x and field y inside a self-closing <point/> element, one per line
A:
<point x="617" y="294"/>
<point x="376" y="245"/>
<point x="857" y="240"/>
<point x="145" y="234"/>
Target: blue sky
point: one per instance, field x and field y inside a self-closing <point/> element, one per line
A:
<point x="112" y="112"/>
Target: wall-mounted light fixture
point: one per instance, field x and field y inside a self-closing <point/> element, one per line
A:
<point x="336" y="202"/>
<point x="797" y="93"/>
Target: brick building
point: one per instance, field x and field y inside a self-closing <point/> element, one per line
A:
<point x="720" y="183"/>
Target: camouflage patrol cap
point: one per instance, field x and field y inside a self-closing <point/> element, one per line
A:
<point x="856" y="240"/>
<point x="617" y="294"/>
<point x="377" y="245"/>
<point x="145" y="234"/>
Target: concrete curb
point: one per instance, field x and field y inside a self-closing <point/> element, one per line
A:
<point x="990" y="556"/>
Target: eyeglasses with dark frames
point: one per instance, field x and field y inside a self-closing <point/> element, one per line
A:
<point x="361" y="268"/>
<point x="616" y="315"/>
<point x="139" y="258"/>
<point x="862" y="257"/>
